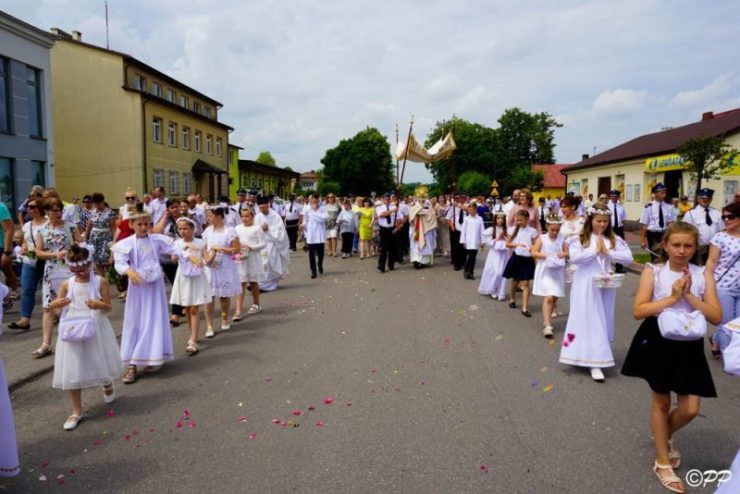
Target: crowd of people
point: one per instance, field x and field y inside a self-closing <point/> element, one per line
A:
<point x="234" y="249"/>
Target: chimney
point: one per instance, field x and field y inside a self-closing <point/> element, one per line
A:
<point x="60" y="33"/>
<point x="707" y="115"/>
<point x="584" y="157"/>
<point x="76" y="35"/>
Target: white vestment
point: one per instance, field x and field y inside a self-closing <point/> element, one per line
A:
<point x="275" y="257"/>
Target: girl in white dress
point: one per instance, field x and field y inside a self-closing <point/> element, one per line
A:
<point x="252" y="241"/>
<point x="492" y="281"/>
<point x="190" y="289"/>
<point x="549" y="275"/>
<point x="590" y="327"/>
<point x="93" y="362"/>
<point x="9" y="464"/>
<point x="223" y="273"/>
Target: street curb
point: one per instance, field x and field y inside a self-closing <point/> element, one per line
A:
<point x="14" y="385"/>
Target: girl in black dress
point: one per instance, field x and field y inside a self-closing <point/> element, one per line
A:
<point x="669" y="365"/>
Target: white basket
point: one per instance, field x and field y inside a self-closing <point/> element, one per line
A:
<point x="610" y="280"/>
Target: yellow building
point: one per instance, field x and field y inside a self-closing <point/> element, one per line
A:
<point x="120" y="122"/>
<point x="553" y="181"/>
<point x="635" y="166"/>
<point x="233" y="160"/>
<point x="265" y="179"/>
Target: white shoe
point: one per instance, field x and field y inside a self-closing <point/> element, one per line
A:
<point x="502" y="298"/>
<point x="597" y="375"/>
<point x="72" y="422"/>
<point x="111" y="397"/>
<point x="554" y="314"/>
<point x="225" y="325"/>
<point x="210" y="333"/>
<point x="254" y="309"/>
<point x="547" y="332"/>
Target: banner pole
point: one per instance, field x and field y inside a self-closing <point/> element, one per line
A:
<point x="398" y="178"/>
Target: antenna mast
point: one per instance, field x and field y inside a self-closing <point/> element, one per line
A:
<point x="107" y="37"/>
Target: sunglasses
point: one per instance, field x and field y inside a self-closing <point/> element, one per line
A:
<point x="728" y="217"/>
<point x="128" y="198"/>
<point x="31" y="206"/>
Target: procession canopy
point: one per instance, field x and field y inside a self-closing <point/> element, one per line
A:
<point x="416" y="152"/>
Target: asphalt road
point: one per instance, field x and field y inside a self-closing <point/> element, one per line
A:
<point x="433" y="388"/>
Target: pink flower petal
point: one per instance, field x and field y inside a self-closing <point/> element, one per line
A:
<point x="97" y="443"/>
<point x="45" y="464"/>
<point x="60" y="476"/>
<point x="483" y="468"/>
<point x="328" y="400"/>
<point x="72" y="472"/>
<point x="111" y="413"/>
<point x="191" y="425"/>
<point x="275" y="421"/>
<point x="185" y="414"/>
<point x="571" y="336"/>
<point x="319" y="423"/>
<point x="297" y="413"/>
<point x="565" y="344"/>
<point x="252" y="435"/>
<point x="43" y="478"/>
<point x="127" y="437"/>
<point x="178" y="424"/>
<point x="242" y="419"/>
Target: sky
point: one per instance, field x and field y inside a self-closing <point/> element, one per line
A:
<point x="297" y="76"/>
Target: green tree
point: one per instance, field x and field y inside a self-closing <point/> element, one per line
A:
<point x="361" y="164"/>
<point x="474" y="184"/>
<point x="475" y="150"/>
<point x="707" y="157"/>
<point x="265" y="158"/>
<point x="524" y="177"/>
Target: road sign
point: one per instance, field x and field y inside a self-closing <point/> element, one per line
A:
<point x="494" y="185"/>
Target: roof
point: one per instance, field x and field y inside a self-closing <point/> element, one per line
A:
<point x="268" y="169"/>
<point x="552" y="174"/>
<point x="25" y="30"/>
<point x="309" y="175"/>
<point x="201" y="166"/>
<point x="666" y="141"/>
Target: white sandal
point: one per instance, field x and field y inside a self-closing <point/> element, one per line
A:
<point x="674" y="457"/>
<point x="668" y="479"/>
<point x="547" y="332"/>
<point x="210" y="333"/>
<point x="72" y="422"/>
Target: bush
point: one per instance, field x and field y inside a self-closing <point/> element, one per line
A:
<point x="474" y="184"/>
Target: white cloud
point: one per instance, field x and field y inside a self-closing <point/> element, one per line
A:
<point x="620" y="102"/>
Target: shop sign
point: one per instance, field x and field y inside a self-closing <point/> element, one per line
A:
<point x="665" y="163"/>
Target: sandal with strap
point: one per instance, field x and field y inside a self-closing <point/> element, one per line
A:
<point x="72" y="422"/>
<point x="667" y="480"/>
<point x="192" y="348"/>
<point x="130" y="376"/>
<point x="674" y="457"/>
<point x="42" y="351"/>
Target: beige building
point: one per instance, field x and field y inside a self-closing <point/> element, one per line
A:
<point x="635" y="166"/>
<point x="120" y="122"/>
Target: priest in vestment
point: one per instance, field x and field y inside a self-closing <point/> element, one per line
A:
<point x="422" y="230"/>
<point x="275" y="257"/>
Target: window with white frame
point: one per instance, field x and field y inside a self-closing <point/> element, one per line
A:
<point x="209" y="140"/>
<point x="140" y="82"/>
<point x="218" y="146"/>
<point x="172" y="134"/>
<point x="187" y="183"/>
<point x="184" y="101"/>
<point x="196" y="107"/>
<point x="186" y="138"/>
<point x="157" y="129"/>
<point x="174" y="182"/>
<point x="196" y="141"/>
<point x="171" y="95"/>
<point x="157" y="89"/>
<point x="158" y="177"/>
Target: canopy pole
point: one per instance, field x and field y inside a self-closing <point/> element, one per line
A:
<point x="406" y="154"/>
<point x="398" y="178"/>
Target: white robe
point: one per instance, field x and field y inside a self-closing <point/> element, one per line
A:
<point x="590" y="327"/>
<point x="275" y="257"/>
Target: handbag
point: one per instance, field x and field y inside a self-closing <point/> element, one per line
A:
<point x="731" y="353"/>
<point x="554" y="262"/>
<point x="607" y="278"/>
<point x="680" y="325"/>
<point x="78" y="328"/>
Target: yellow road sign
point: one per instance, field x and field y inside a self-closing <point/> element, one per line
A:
<point x="494" y="185"/>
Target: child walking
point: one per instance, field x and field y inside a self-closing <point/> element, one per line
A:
<point x="146" y="339"/>
<point x="92" y="362"/>
<point x="223" y="273"/>
<point x="252" y="241"/>
<point x="590" y="328"/>
<point x="471" y="237"/>
<point x="347" y="222"/>
<point x="677" y="283"/>
<point x="549" y="275"/>
<point x="520" y="266"/>
<point x="9" y="464"/>
<point x="190" y="288"/>
<point x="492" y="281"/>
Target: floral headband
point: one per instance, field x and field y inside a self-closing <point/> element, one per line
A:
<point x="592" y="211"/>
<point x="185" y="218"/>
<point x="84" y="262"/>
<point x="554" y="219"/>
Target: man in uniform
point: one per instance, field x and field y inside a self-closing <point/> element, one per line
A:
<point x="617" y="216"/>
<point x="389" y="219"/>
<point x="706" y="219"/>
<point x="656" y="216"/>
<point x="292" y="216"/>
<point x="241" y="201"/>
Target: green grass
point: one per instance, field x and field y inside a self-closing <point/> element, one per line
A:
<point x="641" y="258"/>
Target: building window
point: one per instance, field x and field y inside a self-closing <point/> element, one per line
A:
<point x="157" y="129"/>
<point x="38" y="175"/>
<point x="196" y="141"/>
<point x="218" y="146"/>
<point x="171" y="96"/>
<point x="207" y="111"/>
<point x="183" y="101"/>
<point x="6" y="183"/>
<point x="172" y="134"/>
<point x="186" y="138"/>
<point x="157" y="89"/>
<point x="196" y="107"/>
<point x="4" y="95"/>
<point x="140" y="82"/>
<point x="187" y="183"/>
<point x="173" y="188"/>
<point x="209" y="139"/>
<point x="158" y="177"/>
<point x="33" y="82"/>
